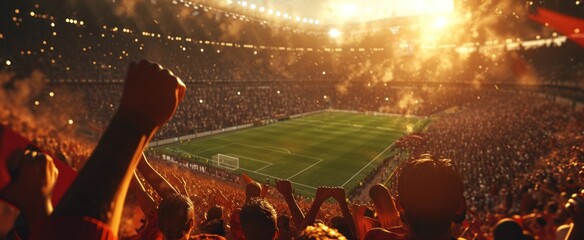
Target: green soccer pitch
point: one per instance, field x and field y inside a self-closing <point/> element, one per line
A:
<point x="323" y="149"/>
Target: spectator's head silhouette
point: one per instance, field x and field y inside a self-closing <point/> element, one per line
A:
<point x="214" y="226"/>
<point x="430" y="197"/>
<point x="213" y="223"/>
<point x="215" y="212"/>
<point x="176" y="216"/>
<point x="339" y="224"/>
<point x="507" y="229"/>
<point x="252" y="190"/>
<point x="258" y="220"/>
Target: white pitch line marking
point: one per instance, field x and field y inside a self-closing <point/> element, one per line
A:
<point x="277" y="148"/>
<point x="253" y="159"/>
<point x="262" y="168"/>
<point x="206" y="150"/>
<point x="294" y="154"/>
<point x="366" y="165"/>
<point x="267" y="175"/>
<point x="301" y="171"/>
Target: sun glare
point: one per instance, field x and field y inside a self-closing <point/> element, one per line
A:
<point x="334" y="33"/>
<point x="353" y="10"/>
<point x="440" y="22"/>
<point x="348" y="10"/>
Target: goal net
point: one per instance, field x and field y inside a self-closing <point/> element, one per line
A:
<point x="225" y="161"/>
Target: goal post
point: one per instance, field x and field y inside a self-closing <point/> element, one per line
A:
<point x="225" y="161"/>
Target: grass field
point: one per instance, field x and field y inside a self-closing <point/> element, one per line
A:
<point x="324" y="149"/>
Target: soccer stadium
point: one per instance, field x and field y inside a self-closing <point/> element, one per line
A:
<point x="263" y="119"/>
<point x="319" y="149"/>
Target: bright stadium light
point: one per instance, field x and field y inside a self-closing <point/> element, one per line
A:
<point x="334" y="33"/>
<point x="348" y="10"/>
<point x="440" y="22"/>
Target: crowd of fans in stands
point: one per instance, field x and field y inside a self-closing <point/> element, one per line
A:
<point x="519" y="154"/>
<point x="232" y="78"/>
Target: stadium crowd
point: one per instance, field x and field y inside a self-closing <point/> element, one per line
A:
<point x="497" y="134"/>
<point x="519" y="155"/>
<point x="516" y="155"/>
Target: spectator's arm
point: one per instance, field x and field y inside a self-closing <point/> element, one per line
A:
<point x="157" y="181"/>
<point x="178" y="183"/>
<point x="322" y="194"/>
<point x="151" y="96"/>
<point x="359" y="219"/>
<point x="221" y="200"/>
<point x="144" y="200"/>
<point x="285" y="188"/>
<point x="338" y="194"/>
<point x="184" y="187"/>
<point x="32" y="189"/>
<point x="384" y="206"/>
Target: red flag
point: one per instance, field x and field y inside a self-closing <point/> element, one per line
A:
<point x="247" y="179"/>
<point x="570" y="26"/>
<point x="10" y="142"/>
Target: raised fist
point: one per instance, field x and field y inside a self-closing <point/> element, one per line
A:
<point x="152" y="91"/>
<point x="322" y="194"/>
<point x="36" y="179"/>
<point x="284" y="187"/>
<point x="338" y="193"/>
